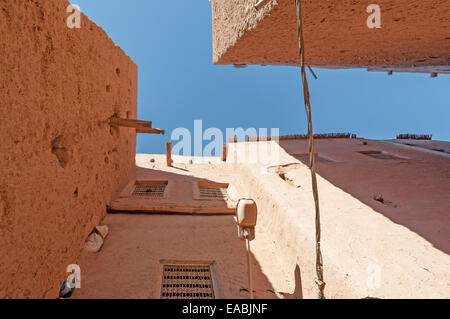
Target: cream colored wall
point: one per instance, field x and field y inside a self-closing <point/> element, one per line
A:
<point x="129" y="264"/>
<point x="359" y="235"/>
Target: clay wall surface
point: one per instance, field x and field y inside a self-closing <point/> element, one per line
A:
<point x="138" y="242"/>
<point x="413" y="182"/>
<point x="129" y="264"/>
<point x="413" y="33"/>
<point x="181" y="194"/>
<point x="395" y="249"/>
<point x="60" y="161"/>
<point x="400" y="243"/>
<point x="433" y="146"/>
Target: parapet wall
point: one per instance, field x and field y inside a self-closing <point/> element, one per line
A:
<point x="60" y="160"/>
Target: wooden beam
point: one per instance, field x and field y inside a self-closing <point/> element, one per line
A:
<point x="169" y="153"/>
<point x="144" y="130"/>
<point x="224" y="152"/>
<point x="142" y="127"/>
<point x="117" y="121"/>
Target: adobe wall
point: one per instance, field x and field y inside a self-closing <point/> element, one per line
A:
<point x="137" y="242"/>
<point x="413" y="33"/>
<point x="128" y="265"/>
<point x="60" y="160"/>
<point x="395" y="249"/>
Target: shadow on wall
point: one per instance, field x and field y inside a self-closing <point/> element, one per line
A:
<point x="298" y="291"/>
<point x="411" y="192"/>
<point x="138" y="241"/>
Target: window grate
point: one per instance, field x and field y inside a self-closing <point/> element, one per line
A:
<point x="149" y="191"/>
<point x="213" y="192"/>
<point x="187" y="282"/>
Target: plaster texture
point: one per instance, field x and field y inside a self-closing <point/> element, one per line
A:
<point x="413" y="33"/>
<point x="395" y="249"/>
<point x="60" y="161"/>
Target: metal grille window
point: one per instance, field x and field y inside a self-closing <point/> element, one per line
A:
<point x="213" y="192"/>
<point x="155" y="191"/>
<point x="187" y="282"/>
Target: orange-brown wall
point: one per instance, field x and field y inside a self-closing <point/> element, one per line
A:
<point x="413" y="33"/>
<point x="60" y="161"/>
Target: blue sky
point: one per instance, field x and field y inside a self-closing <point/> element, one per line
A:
<point x="171" y="42"/>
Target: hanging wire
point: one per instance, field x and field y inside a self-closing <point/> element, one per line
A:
<point x="319" y="263"/>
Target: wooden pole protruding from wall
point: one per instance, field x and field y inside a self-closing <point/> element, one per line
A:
<point x="144" y="127"/>
<point x="117" y="121"/>
<point x="224" y="152"/>
<point x="150" y="131"/>
<point x="169" y="153"/>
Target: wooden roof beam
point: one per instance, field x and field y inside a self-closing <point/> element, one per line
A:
<point x="144" y="127"/>
<point x="117" y="121"/>
<point x="150" y="131"/>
